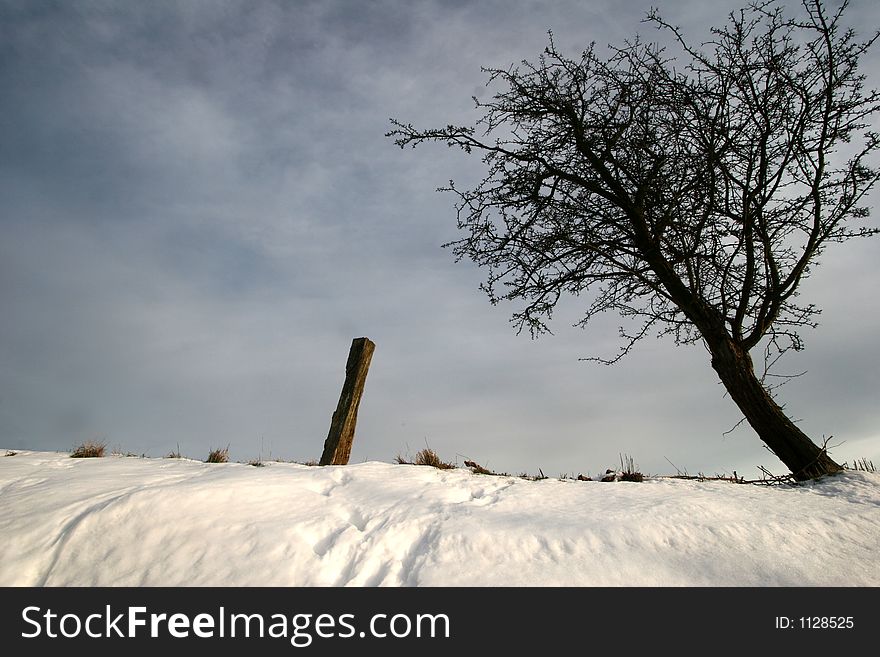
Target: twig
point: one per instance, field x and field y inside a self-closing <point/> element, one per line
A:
<point x="675" y="466"/>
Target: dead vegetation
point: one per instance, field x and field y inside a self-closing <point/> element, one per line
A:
<point x="218" y="455"/>
<point x="476" y="468"/>
<point x="89" y="449"/>
<point x="628" y="470"/>
<point x="118" y="451"/>
<point x="862" y="464"/>
<point x="428" y="457"/>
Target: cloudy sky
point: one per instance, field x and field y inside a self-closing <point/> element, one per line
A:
<point x="199" y="211"/>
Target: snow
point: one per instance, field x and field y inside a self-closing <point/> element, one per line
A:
<point x="118" y="521"/>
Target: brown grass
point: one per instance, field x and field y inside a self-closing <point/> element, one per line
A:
<point x="628" y="471"/>
<point x="476" y="468"/>
<point x="218" y="455"/>
<point x="429" y="457"/>
<point x="89" y="449"/>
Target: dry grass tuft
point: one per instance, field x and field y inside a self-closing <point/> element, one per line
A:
<point x="476" y="468"/>
<point x="89" y="449"/>
<point x="218" y="455"/>
<point x="862" y="464"/>
<point x="628" y="470"/>
<point x="429" y="457"/>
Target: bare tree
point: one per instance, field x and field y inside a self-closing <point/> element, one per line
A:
<point x="690" y="193"/>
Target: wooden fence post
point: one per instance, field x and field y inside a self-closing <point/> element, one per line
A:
<point x="337" y="447"/>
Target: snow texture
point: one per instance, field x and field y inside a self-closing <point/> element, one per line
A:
<point x="175" y="522"/>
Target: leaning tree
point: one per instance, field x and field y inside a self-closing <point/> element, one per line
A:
<point x="689" y="188"/>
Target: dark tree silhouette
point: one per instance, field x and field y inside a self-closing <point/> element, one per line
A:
<point x="691" y="193"/>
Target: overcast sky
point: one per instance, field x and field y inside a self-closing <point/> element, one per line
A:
<point x="199" y="211"/>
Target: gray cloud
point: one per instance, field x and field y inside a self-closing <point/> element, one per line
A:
<point x="200" y="211"/>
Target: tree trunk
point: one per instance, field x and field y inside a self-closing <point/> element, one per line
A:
<point x="794" y="448"/>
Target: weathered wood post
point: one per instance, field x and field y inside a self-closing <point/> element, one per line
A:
<point x="337" y="447"/>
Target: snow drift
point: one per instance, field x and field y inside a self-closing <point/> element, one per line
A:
<point x="174" y="522"/>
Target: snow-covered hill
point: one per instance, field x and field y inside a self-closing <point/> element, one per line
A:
<point x="175" y="522"/>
